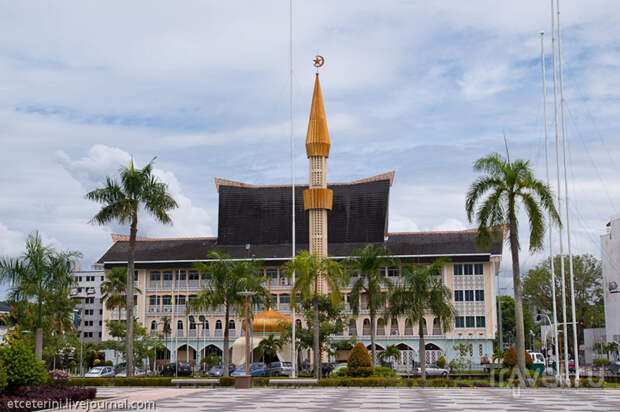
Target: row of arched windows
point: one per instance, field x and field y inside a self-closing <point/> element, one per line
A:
<point x="192" y="325"/>
<point x="382" y="328"/>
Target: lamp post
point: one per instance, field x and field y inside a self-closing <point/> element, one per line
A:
<point x="246" y="294"/>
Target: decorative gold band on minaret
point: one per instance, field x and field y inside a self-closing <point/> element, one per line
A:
<point x="318" y="198"/>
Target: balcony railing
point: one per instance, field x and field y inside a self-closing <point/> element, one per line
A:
<point x="219" y="332"/>
<point x="204" y="333"/>
<point x="192" y="333"/>
<point x="180" y="333"/>
<point x="166" y="284"/>
<point x="193" y="284"/>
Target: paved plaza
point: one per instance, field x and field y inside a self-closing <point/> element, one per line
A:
<point x="373" y="399"/>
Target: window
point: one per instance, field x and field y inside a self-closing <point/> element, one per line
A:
<point x="79" y="278"/>
<point x="193" y="275"/>
<point x="135" y="275"/>
<point x="100" y="332"/>
<point x="393" y="272"/>
<point x="167" y="299"/>
<point x="469" y="296"/>
<point x="231" y="324"/>
<point x="181" y="276"/>
<point x="192" y="325"/>
<point x="470" y="322"/>
<point x="458" y="270"/>
<point x="155" y="276"/>
<point x="154" y="325"/>
<point x="480" y="295"/>
<point x="468" y="269"/>
<point x="167" y="275"/>
<point x="460" y="322"/>
<point x="102" y="281"/>
<point x="285" y="298"/>
<point x="101" y="311"/>
<point x="458" y="295"/>
<point x="274" y="299"/>
<point x="271" y="274"/>
<point x="154" y="300"/>
<point x="381" y="272"/>
<point x="180" y="325"/>
<point x="478" y="269"/>
<point x="179" y="300"/>
<point x="481" y="322"/>
<point x="218" y="324"/>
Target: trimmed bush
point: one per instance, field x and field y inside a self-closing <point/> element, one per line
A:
<point x="3" y="378"/>
<point x="510" y="358"/>
<point x="359" y="357"/>
<point x="384" y="372"/>
<point x="360" y="382"/>
<point x="441" y="362"/>
<point x="21" y="366"/>
<point x="528" y="360"/>
<point x="227" y="381"/>
<point x="440" y="383"/>
<point x="601" y="362"/>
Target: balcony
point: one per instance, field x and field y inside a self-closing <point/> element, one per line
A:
<point x="193" y="284"/>
<point x="180" y="333"/>
<point x="192" y="333"/>
<point x="166" y="284"/>
<point x="219" y="332"/>
<point x="204" y="333"/>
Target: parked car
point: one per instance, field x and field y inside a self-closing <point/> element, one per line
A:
<point x="614" y="368"/>
<point x="138" y="373"/>
<point x="537" y="357"/>
<point x="280" y="369"/>
<point x="327" y="368"/>
<point x="177" y="369"/>
<point x="432" y="370"/>
<point x="100" y="372"/>
<point x="218" y="370"/>
<point x="254" y="369"/>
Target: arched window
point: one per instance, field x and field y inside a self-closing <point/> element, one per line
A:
<point x="408" y="327"/>
<point x="381" y="326"/>
<point x="366" y="327"/>
<point x="231" y="324"/>
<point x="218" y="324"/>
<point x="394" y="327"/>
<point x="436" y="327"/>
<point x="298" y="323"/>
<point x="192" y="325"/>
<point x="154" y="325"/>
<point x="205" y="324"/>
<point x="352" y="327"/>
<point x="424" y="329"/>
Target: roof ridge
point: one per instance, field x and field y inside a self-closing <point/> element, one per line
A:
<point x="383" y="176"/>
<point x="433" y="232"/>
<point x="116" y="237"/>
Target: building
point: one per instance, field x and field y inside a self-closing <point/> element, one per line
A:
<point x="333" y="219"/>
<point x="610" y="255"/>
<point x="89" y="307"/>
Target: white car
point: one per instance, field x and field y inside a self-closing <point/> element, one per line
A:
<point x="100" y="372"/>
<point x="432" y="370"/>
<point x="139" y="373"/>
<point x="537" y="357"/>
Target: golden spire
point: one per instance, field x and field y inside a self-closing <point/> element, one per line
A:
<point x="317" y="139"/>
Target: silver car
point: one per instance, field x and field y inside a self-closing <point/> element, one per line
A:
<point x="100" y="372"/>
<point x="432" y="370"/>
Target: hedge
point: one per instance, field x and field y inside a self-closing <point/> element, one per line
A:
<point x="147" y="381"/>
<point x="359" y="382"/>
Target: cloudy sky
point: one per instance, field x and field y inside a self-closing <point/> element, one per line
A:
<point x="422" y="88"/>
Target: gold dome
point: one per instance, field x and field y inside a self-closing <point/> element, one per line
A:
<point x="270" y="321"/>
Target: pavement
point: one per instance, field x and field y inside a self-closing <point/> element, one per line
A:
<point x="365" y="399"/>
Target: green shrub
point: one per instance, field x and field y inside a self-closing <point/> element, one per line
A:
<point x="3" y="378"/>
<point x="441" y="362"/>
<point x="601" y="362"/>
<point x="440" y="383"/>
<point x="360" y="382"/>
<point x="413" y="382"/>
<point x="384" y="372"/>
<point x="361" y="372"/>
<point x="227" y="381"/>
<point x="359" y="357"/>
<point x="108" y="363"/>
<point x="21" y="365"/>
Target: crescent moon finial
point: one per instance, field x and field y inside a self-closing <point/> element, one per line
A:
<point x="319" y="61"/>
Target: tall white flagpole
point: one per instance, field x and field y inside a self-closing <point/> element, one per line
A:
<point x="293" y="352"/>
<point x="555" y="318"/>
<point x="559" y="188"/>
<point x="570" y="253"/>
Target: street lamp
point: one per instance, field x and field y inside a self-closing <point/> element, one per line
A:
<point x="246" y="294"/>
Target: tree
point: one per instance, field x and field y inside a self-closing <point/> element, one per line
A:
<point x="588" y="277"/>
<point x="228" y="278"/>
<point x="138" y="189"/>
<point x="309" y="268"/>
<point x="508" y="319"/>
<point x="269" y="347"/>
<point x="390" y="354"/>
<point x="366" y="265"/>
<point x="40" y="276"/>
<point x="423" y="292"/>
<point x="493" y="200"/>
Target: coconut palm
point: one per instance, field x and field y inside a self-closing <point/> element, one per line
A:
<point x="366" y="264"/>
<point x="166" y="328"/>
<point x="39" y="276"/>
<point x="138" y="188"/>
<point x="269" y="347"/>
<point x="493" y="201"/>
<point x="423" y="292"/>
<point x="309" y="268"/>
<point x="389" y="354"/>
<point x="228" y="278"/>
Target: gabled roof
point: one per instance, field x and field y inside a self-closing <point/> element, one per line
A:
<point x="263" y="214"/>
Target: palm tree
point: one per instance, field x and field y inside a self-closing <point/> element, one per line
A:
<point x="269" y="347"/>
<point x="308" y="269"/>
<point x="367" y="263"/>
<point x="166" y="328"/>
<point x="493" y="200"/>
<point x="423" y="292"/>
<point x="39" y="275"/>
<point x="390" y="354"/>
<point x="138" y="188"/>
<point x="228" y="278"/>
<point x="113" y="291"/>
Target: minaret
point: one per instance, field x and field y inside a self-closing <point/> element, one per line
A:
<point x="318" y="198"/>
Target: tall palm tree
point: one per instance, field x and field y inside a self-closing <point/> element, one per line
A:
<point x="228" y="278"/>
<point x="39" y="275"/>
<point x="308" y="269"/>
<point x="493" y="201"/>
<point x="269" y="347"/>
<point x="166" y="328"/>
<point x="423" y="292"/>
<point x="138" y="188"/>
<point x="367" y="263"/>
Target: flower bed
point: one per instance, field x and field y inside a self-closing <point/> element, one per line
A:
<point x="27" y="399"/>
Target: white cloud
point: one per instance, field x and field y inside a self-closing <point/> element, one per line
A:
<point x="11" y="242"/>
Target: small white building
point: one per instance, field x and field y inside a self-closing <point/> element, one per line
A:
<point x="5" y="310"/>
<point x="610" y="256"/>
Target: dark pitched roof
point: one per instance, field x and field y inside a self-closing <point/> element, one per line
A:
<point x="192" y="249"/>
<point x="263" y="214"/>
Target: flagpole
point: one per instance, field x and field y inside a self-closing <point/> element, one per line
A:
<point x="293" y="352"/>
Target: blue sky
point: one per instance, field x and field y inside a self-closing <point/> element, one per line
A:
<point x="423" y="88"/>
